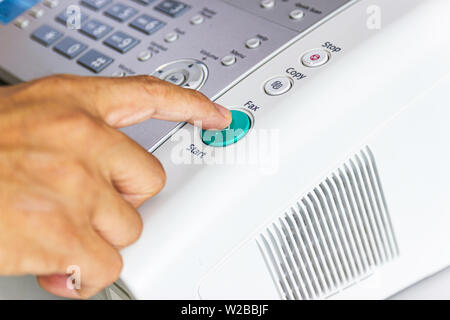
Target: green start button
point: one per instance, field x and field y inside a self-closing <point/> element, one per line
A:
<point x="238" y="128"/>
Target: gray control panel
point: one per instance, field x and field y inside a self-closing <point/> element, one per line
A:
<point x="205" y="45"/>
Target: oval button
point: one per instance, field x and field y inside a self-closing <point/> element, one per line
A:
<point x="278" y="86"/>
<point x="238" y="129"/>
<point x="315" y="58"/>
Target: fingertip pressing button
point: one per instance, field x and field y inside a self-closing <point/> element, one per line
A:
<point x="238" y="129"/>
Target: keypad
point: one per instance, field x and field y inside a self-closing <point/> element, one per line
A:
<point x="120" y="12"/>
<point x="172" y="8"/>
<point x="95" y="60"/>
<point x="121" y="42"/>
<point x="69" y="47"/>
<point x="46" y="35"/>
<point x="147" y="24"/>
<point x="95" y="29"/>
<point x="63" y="17"/>
<point x="96" y="4"/>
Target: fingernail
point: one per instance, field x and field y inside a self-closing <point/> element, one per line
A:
<point x="57" y="284"/>
<point x="223" y="111"/>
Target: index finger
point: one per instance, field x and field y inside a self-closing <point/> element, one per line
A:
<point x="122" y="102"/>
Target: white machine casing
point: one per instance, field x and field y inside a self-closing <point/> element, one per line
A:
<point x="339" y="191"/>
<point x="219" y="231"/>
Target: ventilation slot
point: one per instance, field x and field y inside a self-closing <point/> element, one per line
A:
<point x="334" y="236"/>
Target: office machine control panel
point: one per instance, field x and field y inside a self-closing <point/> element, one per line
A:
<point x="205" y="45"/>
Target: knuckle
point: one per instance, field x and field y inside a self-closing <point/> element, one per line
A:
<point x="64" y="228"/>
<point x="82" y="121"/>
<point x="149" y="80"/>
<point x="78" y="170"/>
<point x="61" y="77"/>
<point x="146" y="81"/>
<point x="60" y="81"/>
<point x="76" y="124"/>
<point x="157" y="87"/>
<point x="113" y="140"/>
<point x="198" y="95"/>
<point x="64" y="174"/>
<point x="38" y="88"/>
<point x="68" y="235"/>
<point x="81" y="181"/>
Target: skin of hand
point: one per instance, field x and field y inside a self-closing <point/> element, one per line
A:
<point x="71" y="183"/>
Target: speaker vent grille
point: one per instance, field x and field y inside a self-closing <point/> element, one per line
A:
<point x="334" y="236"/>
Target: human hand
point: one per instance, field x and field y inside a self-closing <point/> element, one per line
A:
<point x="70" y="182"/>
